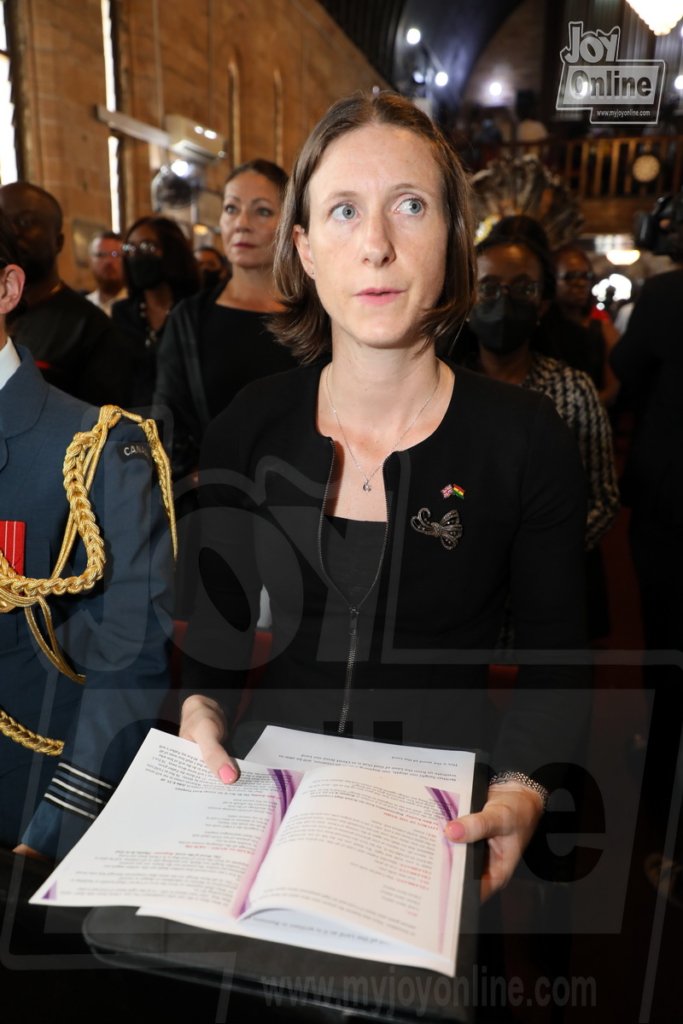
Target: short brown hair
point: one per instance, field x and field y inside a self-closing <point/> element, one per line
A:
<point x="304" y="325"/>
<point x="267" y="169"/>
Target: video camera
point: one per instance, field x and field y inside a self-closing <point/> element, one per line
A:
<point x="661" y="232"/>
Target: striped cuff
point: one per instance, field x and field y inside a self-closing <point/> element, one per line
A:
<point x="77" y="790"/>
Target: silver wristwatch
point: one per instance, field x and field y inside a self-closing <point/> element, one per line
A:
<point x="503" y="777"/>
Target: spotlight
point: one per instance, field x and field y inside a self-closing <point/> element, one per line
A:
<point x="495" y="88"/>
<point x="678" y="84"/>
<point x="441" y="79"/>
<point x="180" y="167"/>
<point x="413" y="36"/>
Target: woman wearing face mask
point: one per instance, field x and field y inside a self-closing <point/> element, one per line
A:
<point x="160" y="271"/>
<point x="212" y="266"/>
<point x="516" y="283"/>
<point x="218" y="341"/>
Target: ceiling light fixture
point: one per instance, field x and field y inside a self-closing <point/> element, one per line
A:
<point x="659" y="15"/>
<point x="441" y="79"/>
<point x="413" y="36"/>
<point x="623" y="257"/>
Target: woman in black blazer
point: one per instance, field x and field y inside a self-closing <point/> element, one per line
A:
<point x="387" y="500"/>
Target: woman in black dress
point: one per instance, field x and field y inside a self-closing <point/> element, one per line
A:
<point x="218" y="342"/>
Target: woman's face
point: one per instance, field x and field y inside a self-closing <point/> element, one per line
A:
<point x="144" y="258"/>
<point x="574" y="280"/>
<point x="145" y="239"/>
<point x="251" y="212"/>
<point x="377" y="237"/>
<point x="510" y="267"/>
<point x="509" y="303"/>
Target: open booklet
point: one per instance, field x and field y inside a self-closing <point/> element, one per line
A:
<point x="340" y="859"/>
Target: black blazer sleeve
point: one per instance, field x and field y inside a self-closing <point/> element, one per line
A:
<point x="221" y="631"/>
<point x="548" y="712"/>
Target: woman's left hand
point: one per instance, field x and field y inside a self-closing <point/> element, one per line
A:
<point x="508" y="821"/>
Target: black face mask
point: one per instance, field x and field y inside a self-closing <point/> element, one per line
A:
<point x="209" y="278"/>
<point x="502" y="325"/>
<point x="146" y="271"/>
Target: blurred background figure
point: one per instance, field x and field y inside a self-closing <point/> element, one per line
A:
<point x="105" y="257"/>
<point x="218" y="341"/>
<point x="648" y="360"/>
<point x="73" y="342"/>
<point x="159" y="270"/>
<point x="575" y="280"/>
<point x="212" y="266"/>
<point x="516" y="283"/>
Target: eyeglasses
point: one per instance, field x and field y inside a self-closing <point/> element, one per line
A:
<point x="145" y="247"/>
<point x="100" y="255"/>
<point x="492" y="290"/>
<point x="577" y="275"/>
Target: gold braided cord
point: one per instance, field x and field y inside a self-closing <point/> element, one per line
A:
<point x="20" y="734"/>
<point x="16" y="591"/>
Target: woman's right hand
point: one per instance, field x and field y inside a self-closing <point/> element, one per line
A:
<point x="202" y="721"/>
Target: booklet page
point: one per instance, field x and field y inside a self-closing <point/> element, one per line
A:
<point x="370" y="851"/>
<point x="173" y="834"/>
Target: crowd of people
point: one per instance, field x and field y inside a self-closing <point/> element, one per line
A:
<point x="405" y="442"/>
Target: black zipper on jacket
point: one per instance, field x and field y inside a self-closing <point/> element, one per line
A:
<point x="353" y="610"/>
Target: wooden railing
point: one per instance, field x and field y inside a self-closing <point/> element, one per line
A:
<point x="599" y="168"/>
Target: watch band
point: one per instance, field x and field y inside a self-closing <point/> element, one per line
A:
<point x="503" y="777"/>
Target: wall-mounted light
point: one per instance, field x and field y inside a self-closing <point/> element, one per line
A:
<point x="441" y="79"/>
<point x="413" y="36"/>
<point x="495" y="88"/>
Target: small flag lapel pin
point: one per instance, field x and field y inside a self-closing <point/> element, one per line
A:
<point x="453" y="489"/>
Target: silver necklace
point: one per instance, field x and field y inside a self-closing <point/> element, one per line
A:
<point x="367" y="479"/>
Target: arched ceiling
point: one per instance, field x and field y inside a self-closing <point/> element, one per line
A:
<point x="454" y="31"/>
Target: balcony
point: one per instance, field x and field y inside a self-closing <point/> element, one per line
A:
<point x="600" y="173"/>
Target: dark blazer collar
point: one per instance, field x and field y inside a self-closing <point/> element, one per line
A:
<point x="22" y="398"/>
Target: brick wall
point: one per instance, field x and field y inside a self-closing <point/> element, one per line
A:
<point x="229" y="64"/>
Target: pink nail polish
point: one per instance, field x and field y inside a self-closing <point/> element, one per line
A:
<point x="227" y="774"/>
<point x="456" y="830"/>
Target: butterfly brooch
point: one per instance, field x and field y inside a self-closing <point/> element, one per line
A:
<point x="449" y="530"/>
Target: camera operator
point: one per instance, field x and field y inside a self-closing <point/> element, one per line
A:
<point x="648" y="360"/>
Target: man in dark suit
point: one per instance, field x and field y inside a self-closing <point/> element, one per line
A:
<point x="115" y="633"/>
<point x="74" y="343"/>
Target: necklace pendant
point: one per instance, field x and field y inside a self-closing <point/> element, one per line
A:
<point x="366" y="486"/>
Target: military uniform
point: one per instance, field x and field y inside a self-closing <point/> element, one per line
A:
<point x="116" y="633"/>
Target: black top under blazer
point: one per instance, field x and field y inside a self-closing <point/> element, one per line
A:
<point x="426" y="631"/>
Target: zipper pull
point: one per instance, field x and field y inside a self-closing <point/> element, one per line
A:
<point x="354" y="621"/>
